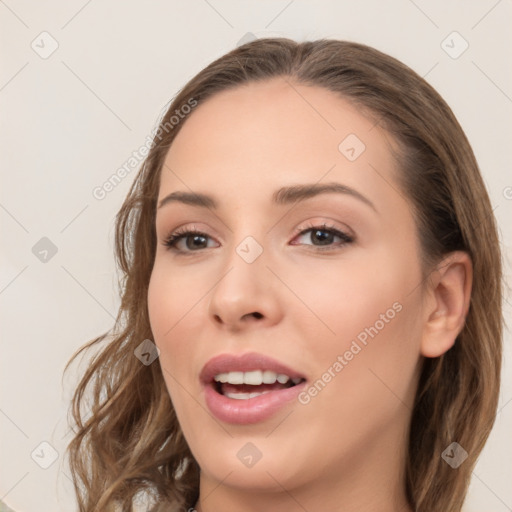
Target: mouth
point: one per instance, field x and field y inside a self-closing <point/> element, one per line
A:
<point x="248" y="388"/>
<point x="239" y="385"/>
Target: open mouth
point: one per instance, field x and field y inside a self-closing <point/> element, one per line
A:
<point x="246" y="385"/>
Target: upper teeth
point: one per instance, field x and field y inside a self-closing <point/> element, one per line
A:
<point x="255" y="377"/>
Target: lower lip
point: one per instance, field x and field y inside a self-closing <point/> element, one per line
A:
<point x="251" y="410"/>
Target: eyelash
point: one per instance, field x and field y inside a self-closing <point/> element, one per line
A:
<point x="171" y="241"/>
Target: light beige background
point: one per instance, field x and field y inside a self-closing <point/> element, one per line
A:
<point x="70" y="120"/>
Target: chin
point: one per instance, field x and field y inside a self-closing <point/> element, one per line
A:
<point x="268" y="476"/>
<point x="251" y="462"/>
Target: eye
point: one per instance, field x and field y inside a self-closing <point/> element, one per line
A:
<point x="324" y="235"/>
<point x="196" y="238"/>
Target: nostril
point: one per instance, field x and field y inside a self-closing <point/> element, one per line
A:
<point x="257" y="315"/>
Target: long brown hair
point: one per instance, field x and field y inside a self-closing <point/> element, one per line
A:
<point x="128" y="441"/>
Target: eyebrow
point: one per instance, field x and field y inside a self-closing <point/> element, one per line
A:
<point x="282" y="196"/>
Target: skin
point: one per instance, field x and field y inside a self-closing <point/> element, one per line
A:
<point x="345" y="448"/>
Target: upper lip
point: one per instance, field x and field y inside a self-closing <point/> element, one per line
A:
<point x="225" y="363"/>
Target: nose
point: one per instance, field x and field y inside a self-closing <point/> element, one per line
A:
<point x="246" y="296"/>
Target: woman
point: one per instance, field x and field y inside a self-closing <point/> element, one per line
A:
<point x="335" y="340"/>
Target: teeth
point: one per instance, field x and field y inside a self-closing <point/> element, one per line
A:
<point x="255" y="377"/>
<point x="244" y="396"/>
<point x="269" y="377"/>
<point x="236" y="377"/>
<point x="221" y="377"/>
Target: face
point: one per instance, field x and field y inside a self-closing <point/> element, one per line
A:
<point x="322" y="288"/>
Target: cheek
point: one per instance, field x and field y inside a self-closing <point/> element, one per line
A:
<point x="352" y="298"/>
<point x="173" y="299"/>
<point x="171" y="312"/>
<point x="367" y="346"/>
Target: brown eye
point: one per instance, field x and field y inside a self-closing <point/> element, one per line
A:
<point x="193" y="240"/>
<point x="325" y="236"/>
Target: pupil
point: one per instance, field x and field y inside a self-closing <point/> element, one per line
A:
<point x="195" y="238"/>
<point x="324" y="238"/>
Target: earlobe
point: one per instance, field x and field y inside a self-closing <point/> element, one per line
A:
<point x="448" y="305"/>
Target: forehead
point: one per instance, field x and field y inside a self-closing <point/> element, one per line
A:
<point x="254" y="138"/>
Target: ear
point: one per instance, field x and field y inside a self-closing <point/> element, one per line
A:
<point x="447" y="305"/>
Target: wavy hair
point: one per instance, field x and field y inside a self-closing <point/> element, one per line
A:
<point x="127" y="439"/>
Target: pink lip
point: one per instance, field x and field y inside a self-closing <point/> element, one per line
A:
<point x="252" y="410"/>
